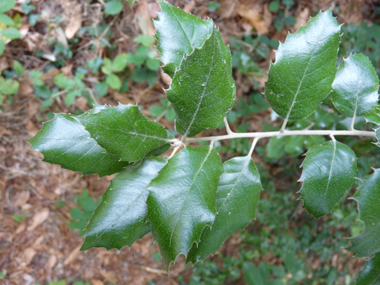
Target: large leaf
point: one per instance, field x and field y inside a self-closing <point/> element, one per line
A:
<point x="120" y="219"/>
<point x="328" y="173"/>
<point x="203" y="90"/>
<point x="125" y="132"/>
<point x="368" y="197"/>
<point x="178" y="33"/>
<point x="305" y="68"/>
<point x="181" y="202"/>
<point x="236" y="199"/>
<point x="355" y="86"/>
<point x="370" y="275"/>
<point x="64" y="141"/>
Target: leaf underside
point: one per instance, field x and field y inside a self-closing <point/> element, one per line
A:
<point x="120" y="219"/>
<point x="236" y="199"/>
<point x="178" y="33"/>
<point x="125" y="132"/>
<point x="370" y="275"/>
<point x="355" y="86"/>
<point x="328" y="173"/>
<point x="305" y="68"/>
<point x="65" y="141"/>
<point x="368" y="197"/>
<point x="203" y="91"/>
<point x="181" y="202"/>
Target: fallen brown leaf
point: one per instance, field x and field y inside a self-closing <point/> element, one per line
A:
<point x="38" y="219"/>
<point x="254" y="18"/>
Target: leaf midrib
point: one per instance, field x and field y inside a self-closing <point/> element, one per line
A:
<point x="331" y="167"/>
<point x="187" y="194"/>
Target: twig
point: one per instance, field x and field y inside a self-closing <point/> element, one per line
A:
<point x="228" y="129"/>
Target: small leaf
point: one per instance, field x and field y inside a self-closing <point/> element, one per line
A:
<point x="328" y="173"/>
<point x="9" y="86"/>
<point x="5" y="19"/>
<point x="355" y="86"/>
<point x="120" y="62"/>
<point x="203" y="90"/>
<point x="64" y="141"/>
<point x="6" y="5"/>
<point x="19" y="69"/>
<point x="181" y="202"/>
<point x="64" y="82"/>
<point x="132" y="1"/>
<point x="156" y="111"/>
<point x="2" y="47"/>
<point x="178" y="33"/>
<point x="113" y="7"/>
<point x="11" y="33"/>
<point x="120" y="218"/>
<point x="113" y="81"/>
<point x="368" y="197"/>
<point x="370" y="274"/>
<point x="101" y="88"/>
<point x="125" y="132"/>
<point x="305" y="68"/>
<point x="145" y="40"/>
<point x="236" y="199"/>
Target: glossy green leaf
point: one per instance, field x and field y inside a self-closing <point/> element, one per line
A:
<point x="305" y="68"/>
<point x="125" y="132"/>
<point x="120" y="219"/>
<point x="355" y="86"/>
<point x="64" y="141"/>
<point x="203" y="90"/>
<point x="370" y="275"/>
<point x="368" y="197"/>
<point x="178" y="33"/>
<point x="328" y="173"/>
<point x="181" y="202"/>
<point x="373" y="116"/>
<point x="236" y="199"/>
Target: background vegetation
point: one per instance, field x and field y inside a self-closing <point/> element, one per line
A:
<point x="65" y="56"/>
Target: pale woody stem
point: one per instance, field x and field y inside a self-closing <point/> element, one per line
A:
<point x="261" y="135"/>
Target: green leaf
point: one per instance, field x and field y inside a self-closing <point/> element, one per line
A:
<point x="328" y="173"/>
<point x="305" y="68"/>
<point x="101" y="88"/>
<point x="6" y="5"/>
<point x="373" y="116"/>
<point x="368" y="197"/>
<point x="5" y="19"/>
<point x="113" y="7"/>
<point x="64" y="141"/>
<point x="11" y="33"/>
<point x="153" y="64"/>
<point x="355" y="86"/>
<point x="203" y="90"/>
<point x="132" y="1"/>
<point x="178" y="33"/>
<point x="2" y="47"/>
<point x="236" y="199"/>
<point x="156" y="111"/>
<point x="145" y="40"/>
<point x="19" y="69"/>
<point x="120" y="62"/>
<point x="8" y="86"/>
<point x="370" y="275"/>
<point x="276" y="147"/>
<point x="113" y="81"/>
<point x="125" y="132"/>
<point x="181" y="202"/>
<point x="120" y="218"/>
<point x="274" y="6"/>
<point x="64" y="82"/>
